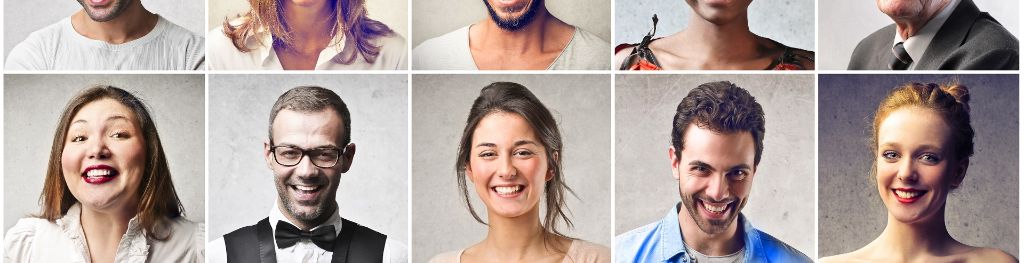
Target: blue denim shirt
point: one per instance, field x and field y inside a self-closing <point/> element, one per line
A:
<point x="662" y="241"/>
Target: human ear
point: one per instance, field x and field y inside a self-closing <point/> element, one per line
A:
<point x="551" y="171"/>
<point x="675" y="162"/>
<point x="960" y="174"/>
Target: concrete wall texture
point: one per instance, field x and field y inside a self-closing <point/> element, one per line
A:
<point x="433" y="18"/>
<point x="440" y="106"/>
<point x="24" y="17"/>
<point x="790" y="22"/>
<point x="394" y="13"/>
<point x="781" y="201"/>
<point x="373" y="193"/>
<point x="842" y="24"/>
<point x="982" y="212"/>
<point x="32" y="108"/>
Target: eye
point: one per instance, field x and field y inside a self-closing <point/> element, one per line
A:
<point x="738" y="175"/>
<point x="487" y="154"/>
<point x="523" y="154"/>
<point x="289" y="153"/>
<point x="890" y="156"/>
<point x="120" y="135"/>
<point x="699" y="170"/>
<point x="930" y="158"/>
<point x="78" y="138"/>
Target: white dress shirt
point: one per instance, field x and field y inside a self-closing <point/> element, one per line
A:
<point x="585" y="51"/>
<point x="917" y="44"/>
<point x="261" y="56"/>
<point x="39" y="240"/>
<point x="305" y="251"/>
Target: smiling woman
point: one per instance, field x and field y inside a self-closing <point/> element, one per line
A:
<point x="107" y="194"/>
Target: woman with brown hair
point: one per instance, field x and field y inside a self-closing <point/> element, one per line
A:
<point x="922" y="142"/>
<point x="107" y="195"/>
<point x="306" y="35"/>
<point x="510" y="151"/>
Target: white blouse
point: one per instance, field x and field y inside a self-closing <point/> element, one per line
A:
<point x="39" y="240"/>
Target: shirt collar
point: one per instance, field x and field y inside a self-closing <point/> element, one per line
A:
<point x="264" y="42"/>
<point x="917" y="44"/>
<point x="276" y="215"/>
<point x="672" y="238"/>
<point x="134" y="245"/>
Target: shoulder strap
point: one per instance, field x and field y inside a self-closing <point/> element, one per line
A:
<point x="240" y="243"/>
<point x="357" y="243"/>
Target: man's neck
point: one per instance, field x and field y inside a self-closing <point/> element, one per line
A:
<point x="721" y="43"/>
<point x="134" y="23"/>
<point x="720" y="244"/>
<point x="907" y="27"/>
<point x="307" y="225"/>
<point x="530" y="38"/>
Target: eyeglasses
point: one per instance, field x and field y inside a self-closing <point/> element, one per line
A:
<point x="320" y="157"/>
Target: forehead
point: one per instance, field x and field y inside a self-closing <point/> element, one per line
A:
<point x="715" y="148"/>
<point x="316" y="128"/>
<point x="913" y="126"/>
<point x="100" y="110"/>
<point x="498" y="127"/>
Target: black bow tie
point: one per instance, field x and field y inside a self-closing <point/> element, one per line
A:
<point x="287" y="235"/>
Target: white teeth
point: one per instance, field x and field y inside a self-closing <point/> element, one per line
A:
<point x="98" y="172"/>
<point x="908" y="194"/>
<point x="715" y="209"/>
<point x="306" y="187"/>
<point x="508" y="189"/>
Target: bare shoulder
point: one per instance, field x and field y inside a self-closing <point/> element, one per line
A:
<point x="987" y="254"/>
<point x="856" y="256"/>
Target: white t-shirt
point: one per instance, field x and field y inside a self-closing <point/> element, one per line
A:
<point x="450" y="51"/>
<point x="60" y="47"/>
<point x="261" y="56"/>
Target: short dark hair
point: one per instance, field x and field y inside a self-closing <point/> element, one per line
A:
<point x="721" y="107"/>
<point x="515" y="98"/>
<point x="308" y="99"/>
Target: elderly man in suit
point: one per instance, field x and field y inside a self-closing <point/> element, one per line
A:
<point x="936" y="34"/>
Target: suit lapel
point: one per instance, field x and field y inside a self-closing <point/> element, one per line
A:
<point x="951" y="35"/>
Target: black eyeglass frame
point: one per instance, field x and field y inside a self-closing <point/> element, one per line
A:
<point x="307" y="153"/>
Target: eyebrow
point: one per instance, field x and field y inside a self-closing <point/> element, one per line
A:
<point x="706" y="165"/>
<point x="927" y="147"/>
<point x="109" y="119"/>
<point x="325" y="146"/>
<point x="517" y="143"/>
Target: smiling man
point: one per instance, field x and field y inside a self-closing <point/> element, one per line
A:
<point x="937" y="35"/>
<point x="717" y="140"/>
<point x="308" y="150"/>
<point x="110" y="35"/>
<point x="520" y="34"/>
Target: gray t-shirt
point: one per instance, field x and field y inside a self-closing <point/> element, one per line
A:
<point x="60" y="47"/>
<point x="450" y="51"/>
<point x="697" y="257"/>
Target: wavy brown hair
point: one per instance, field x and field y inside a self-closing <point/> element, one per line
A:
<point x="158" y="201"/>
<point x="349" y="15"/>
<point x="514" y="98"/>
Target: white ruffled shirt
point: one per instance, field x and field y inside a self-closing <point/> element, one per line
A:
<point x="39" y="240"/>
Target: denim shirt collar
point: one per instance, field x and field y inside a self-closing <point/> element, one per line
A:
<point x="672" y="249"/>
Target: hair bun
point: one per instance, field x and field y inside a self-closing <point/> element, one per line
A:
<point x="960" y="93"/>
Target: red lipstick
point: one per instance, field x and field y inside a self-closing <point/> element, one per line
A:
<point x="907" y="195"/>
<point x="98" y="174"/>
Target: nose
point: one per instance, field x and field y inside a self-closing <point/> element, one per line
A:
<point x="718" y="188"/>
<point x="305" y="168"/>
<point x="98" y="149"/>
<point x="907" y="172"/>
<point x="505" y="169"/>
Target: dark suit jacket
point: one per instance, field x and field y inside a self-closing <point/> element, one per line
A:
<point x="970" y="39"/>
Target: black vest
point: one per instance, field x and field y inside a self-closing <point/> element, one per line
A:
<point x="355" y="243"/>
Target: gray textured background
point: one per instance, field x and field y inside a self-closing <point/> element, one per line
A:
<point x="394" y="13"/>
<point x="580" y="105"/>
<point x="24" y="17"/>
<point x="373" y="193"/>
<point x="791" y="22"/>
<point x="842" y="24"/>
<point x="982" y="212"/>
<point x="781" y="201"/>
<point x="433" y="18"/>
<point x="32" y="107"/>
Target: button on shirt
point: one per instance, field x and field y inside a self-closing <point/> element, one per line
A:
<point x="662" y="241"/>
<point x="917" y="44"/>
<point x="305" y="250"/>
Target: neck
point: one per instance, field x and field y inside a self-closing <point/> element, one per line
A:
<point x="310" y="224"/>
<point x="908" y="241"/>
<point x="514" y="239"/>
<point x="719" y="244"/>
<point x="530" y="37"/>
<point x="133" y="23"/>
<point x="721" y="43"/>
<point x="104" y="229"/>
<point x="911" y="26"/>
<point x="312" y="26"/>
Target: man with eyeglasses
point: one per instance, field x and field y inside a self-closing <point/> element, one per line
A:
<point x="308" y="149"/>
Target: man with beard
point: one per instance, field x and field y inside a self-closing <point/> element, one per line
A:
<point x="717" y="140"/>
<point x="110" y="35"/>
<point x="520" y="34"/>
<point x="308" y="150"/>
<point x="936" y="35"/>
